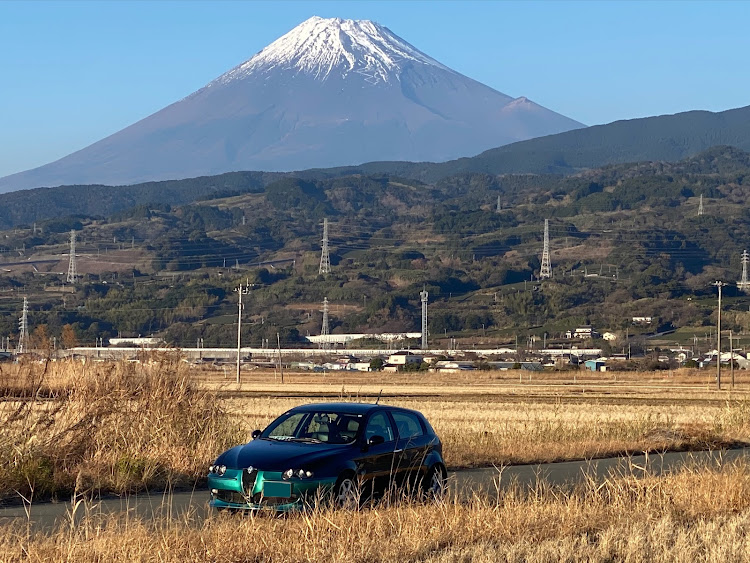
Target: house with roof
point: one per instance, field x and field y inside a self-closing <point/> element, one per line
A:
<point x="404" y="357"/>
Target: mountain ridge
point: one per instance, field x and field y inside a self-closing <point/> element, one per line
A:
<point x="668" y="137"/>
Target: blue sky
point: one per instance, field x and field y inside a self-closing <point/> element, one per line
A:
<point x="72" y="73"/>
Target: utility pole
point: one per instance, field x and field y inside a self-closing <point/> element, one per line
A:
<point x="325" y="259"/>
<point x="499" y="206"/>
<point x="744" y="284"/>
<point x="23" y="329"/>
<point x="700" y="206"/>
<point x="423" y="295"/>
<point x="731" y="359"/>
<point x="240" y="291"/>
<point x="72" y="270"/>
<point x="324" y="331"/>
<point x="281" y="366"/>
<point x="719" y="285"/>
<point x="546" y="269"/>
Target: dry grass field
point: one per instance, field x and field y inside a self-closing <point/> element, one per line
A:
<point x="119" y="427"/>
<point x="69" y="427"/>
<point x="700" y="514"/>
<point x="487" y="418"/>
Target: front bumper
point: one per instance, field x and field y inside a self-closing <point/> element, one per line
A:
<point x="264" y="490"/>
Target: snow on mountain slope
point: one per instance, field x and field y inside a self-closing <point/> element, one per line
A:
<point x="330" y="92"/>
<point x="320" y="46"/>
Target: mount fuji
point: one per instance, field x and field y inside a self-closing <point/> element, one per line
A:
<point x="330" y="92"/>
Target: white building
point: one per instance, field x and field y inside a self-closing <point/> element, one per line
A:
<point x="138" y="342"/>
<point x="586" y="331"/>
<point x="403" y="358"/>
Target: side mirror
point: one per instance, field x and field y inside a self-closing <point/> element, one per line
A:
<point x="256" y="434"/>
<point x="375" y="440"/>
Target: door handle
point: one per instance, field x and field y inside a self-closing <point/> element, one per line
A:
<point x="398" y="451"/>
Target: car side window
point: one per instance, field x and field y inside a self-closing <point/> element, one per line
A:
<point x="379" y="425"/>
<point x="408" y="425"/>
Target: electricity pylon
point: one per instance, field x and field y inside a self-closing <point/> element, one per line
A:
<point x="325" y="259"/>
<point x="546" y="270"/>
<point x="72" y="270"/>
<point x="743" y="284"/>
<point x="23" y="329"/>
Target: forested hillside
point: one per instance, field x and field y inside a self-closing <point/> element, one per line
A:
<point x="626" y="240"/>
<point x="666" y="138"/>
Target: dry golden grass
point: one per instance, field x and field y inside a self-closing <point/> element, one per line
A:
<point x="69" y="426"/>
<point x="484" y="419"/>
<point x="105" y="427"/>
<point x="123" y="426"/>
<point x="700" y="514"/>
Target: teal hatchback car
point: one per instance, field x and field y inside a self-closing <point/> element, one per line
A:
<point x="345" y="452"/>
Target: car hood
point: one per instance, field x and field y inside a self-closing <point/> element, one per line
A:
<point x="273" y="455"/>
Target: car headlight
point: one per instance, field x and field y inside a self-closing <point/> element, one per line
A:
<point x="299" y="473"/>
<point x="217" y="469"/>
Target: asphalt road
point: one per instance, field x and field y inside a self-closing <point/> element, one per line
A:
<point x="485" y="482"/>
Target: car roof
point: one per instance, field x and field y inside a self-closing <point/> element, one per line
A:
<point x="353" y="408"/>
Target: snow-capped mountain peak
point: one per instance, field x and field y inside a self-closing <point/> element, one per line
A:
<point x="331" y="92"/>
<point x="323" y="47"/>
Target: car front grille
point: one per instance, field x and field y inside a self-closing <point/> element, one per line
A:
<point x="231" y="496"/>
<point x="273" y="501"/>
<point x="248" y="480"/>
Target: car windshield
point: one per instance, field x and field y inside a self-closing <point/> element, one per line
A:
<point x="314" y="427"/>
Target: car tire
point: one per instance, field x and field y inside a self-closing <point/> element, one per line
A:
<point x="346" y="492"/>
<point x="435" y="484"/>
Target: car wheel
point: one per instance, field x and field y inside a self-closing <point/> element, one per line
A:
<point x="346" y="493"/>
<point x="436" y="484"/>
